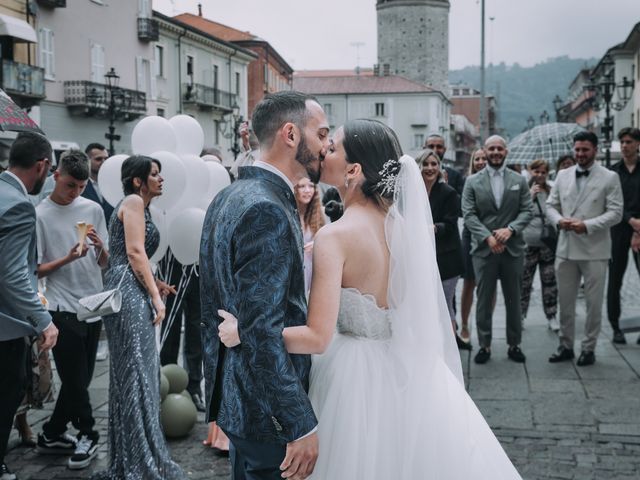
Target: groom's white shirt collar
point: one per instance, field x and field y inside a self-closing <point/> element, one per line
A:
<point x="272" y="169"/>
<point x="24" y="189"/>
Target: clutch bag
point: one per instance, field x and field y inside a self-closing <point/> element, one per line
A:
<point x="92" y="308"/>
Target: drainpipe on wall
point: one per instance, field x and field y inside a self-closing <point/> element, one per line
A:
<point x="184" y="32"/>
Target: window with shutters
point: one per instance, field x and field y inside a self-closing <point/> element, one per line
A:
<point x="144" y="8"/>
<point x="237" y="83"/>
<point x="379" y="109"/>
<point x="141" y="75"/>
<point x="97" y="63"/>
<point x="47" y="57"/>
<point x="159" y="63"/>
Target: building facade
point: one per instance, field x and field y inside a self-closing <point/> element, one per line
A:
<point x="411" y="109"/>
<point x="413" y="39"/>
<point x="267" y="73"/>
<point x="78" y="45"/>
<point x="203" y="76"/>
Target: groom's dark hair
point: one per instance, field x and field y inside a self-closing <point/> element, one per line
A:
<point x="276" y="109"/>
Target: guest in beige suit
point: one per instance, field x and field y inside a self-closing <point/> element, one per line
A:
<point x="585" y="202"/>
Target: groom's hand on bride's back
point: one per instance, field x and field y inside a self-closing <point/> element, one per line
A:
<point x="300" y="458"/>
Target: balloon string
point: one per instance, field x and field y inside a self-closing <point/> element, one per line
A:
<point x="180" y="294"/>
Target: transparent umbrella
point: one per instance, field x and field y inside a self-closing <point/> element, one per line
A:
<point x="547" y="141"/>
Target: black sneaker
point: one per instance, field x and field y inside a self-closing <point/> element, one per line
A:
<point x="83" y="454"/>
<point x="63" y="444"/>
<point x="483" y="356"/>
<point x="197" y="401"/>
<point x="586" y="358"/>
<point x="514" y="353"/>
<point x="563" y="354"/>
<point x="5" y="473"/>
<point x="618" y="337"/>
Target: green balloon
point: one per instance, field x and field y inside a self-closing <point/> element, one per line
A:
<point x="164" y="386"/>
<point x="186" y="395"/>
<point x="177" y="376"/>
<point x="178" y="415"/>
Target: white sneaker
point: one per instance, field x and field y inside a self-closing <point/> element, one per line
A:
<point x="554" y="325"/>
<point x="84" y="453"/>
<point x="103" y="351"/>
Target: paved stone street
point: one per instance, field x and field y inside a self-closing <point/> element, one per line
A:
<point x="556" y="421"/>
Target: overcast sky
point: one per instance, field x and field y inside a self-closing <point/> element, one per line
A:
<point x="321" y="34"/>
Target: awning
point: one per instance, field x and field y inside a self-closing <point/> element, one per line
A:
<point x="20" y="30"/>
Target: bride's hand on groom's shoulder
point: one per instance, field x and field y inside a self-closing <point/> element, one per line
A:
<point x="228" y="329"/>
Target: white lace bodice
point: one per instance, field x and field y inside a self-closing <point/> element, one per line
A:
<point x="360" y="316"/>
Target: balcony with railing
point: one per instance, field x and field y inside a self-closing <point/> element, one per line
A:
<point x="53" y="3"/>
<point x="24" y="83"/>
<point x="207" y="98"/>
<point x="87" y="98"/>
<point x="148" y="30"/>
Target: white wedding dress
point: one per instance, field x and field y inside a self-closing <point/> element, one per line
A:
<point x="388" y="392"/>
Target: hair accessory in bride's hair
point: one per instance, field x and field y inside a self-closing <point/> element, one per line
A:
<point x="388" y="176"/>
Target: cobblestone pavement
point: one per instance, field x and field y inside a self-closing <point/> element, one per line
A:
<point x="555" y="421"/>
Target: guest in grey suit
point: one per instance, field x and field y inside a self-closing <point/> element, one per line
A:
<point x="497" y="207"/>
<point x="585" y="202"/>
<point x="22" y="314"/>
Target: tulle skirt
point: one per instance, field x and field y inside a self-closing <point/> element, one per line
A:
<point x="376" y="425"/>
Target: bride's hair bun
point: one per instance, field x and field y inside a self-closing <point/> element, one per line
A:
<point x="376" y="148"/>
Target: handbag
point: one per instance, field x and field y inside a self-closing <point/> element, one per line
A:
<point x="548" y="233"/>
<point x="93" y="307"/>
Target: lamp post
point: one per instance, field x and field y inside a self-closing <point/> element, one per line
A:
<point x="531" y="122"/>
<point x="544" y="118"/>
<point x="557" y="105"/>
<point x="237" y="121"/>
<point x="606" y="88"/>
<point x="114" y="99"/>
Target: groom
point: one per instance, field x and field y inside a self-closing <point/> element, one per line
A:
<point x="251" y="264"/>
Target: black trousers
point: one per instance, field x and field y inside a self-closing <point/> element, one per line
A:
<point x="251" y="460"/>
<point x="13" y="381"/>
<point x="620" y="244"/>
<point x="192" y="342"/>
<point x="75" y="357"/>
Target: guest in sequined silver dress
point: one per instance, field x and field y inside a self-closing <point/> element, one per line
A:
<point x="137" y="448"/>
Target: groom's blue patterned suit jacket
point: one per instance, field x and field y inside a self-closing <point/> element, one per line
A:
<point x="251" y="264"/>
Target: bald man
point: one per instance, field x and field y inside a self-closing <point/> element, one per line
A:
<point x="496" y="205"/>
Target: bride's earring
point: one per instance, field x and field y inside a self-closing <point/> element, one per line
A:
<point x="346" y="182"/>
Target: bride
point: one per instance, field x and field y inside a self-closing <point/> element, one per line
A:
<point x="387" y="384"/>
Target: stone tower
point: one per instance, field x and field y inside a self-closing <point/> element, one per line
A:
<point x="413" y="39"/>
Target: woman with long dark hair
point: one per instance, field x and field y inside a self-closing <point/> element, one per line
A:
<point x="137" y="447"/>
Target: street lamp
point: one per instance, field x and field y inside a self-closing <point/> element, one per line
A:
<point x="237" y="121"/>
<point x="531" y="122"/>
<point x="544" y="118"/>
<point x="606" y="89"/>
<point x="557" y="105"/>
<point x="234" y="132"/>
<point x="115" y="99"/>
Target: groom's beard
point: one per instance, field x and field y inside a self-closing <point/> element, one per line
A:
<point x="306" y="158"/>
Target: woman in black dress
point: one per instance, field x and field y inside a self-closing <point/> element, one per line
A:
<point x="445" y="209"/>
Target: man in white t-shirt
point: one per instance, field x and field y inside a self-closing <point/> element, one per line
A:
<point x="72" y="271"/>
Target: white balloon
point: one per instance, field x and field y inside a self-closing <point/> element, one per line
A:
<point x="110" y="179"/>
<point x="197" y="181"/>
<point x="153" y="134"/>
<point x="175" y="180"/>
<point x="211" y="158"/>
<point x="159" y="218"/>
<point x="218" y="179"/>
<point x="189" y="135"/>
<point x="185" y="231"/>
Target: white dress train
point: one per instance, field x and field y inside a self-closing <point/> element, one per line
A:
<point x="369" y="429"/>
